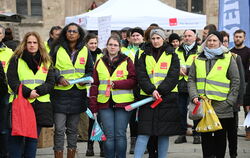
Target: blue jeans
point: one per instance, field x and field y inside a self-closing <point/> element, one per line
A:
<point x="115" y="122"/>
<point x="23" y="146"/>
<point x="141" y="144"/>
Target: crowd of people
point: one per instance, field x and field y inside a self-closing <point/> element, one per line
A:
<point x="135" y="65"/>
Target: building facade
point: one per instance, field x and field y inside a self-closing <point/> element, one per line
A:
<point x="41" y="15"/>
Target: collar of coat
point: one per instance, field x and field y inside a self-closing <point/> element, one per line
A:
<point x="148" y="48"/>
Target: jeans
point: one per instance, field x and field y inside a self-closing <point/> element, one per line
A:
<point x="23" y="146"/>
<point x="115" y="122"/>
<point x="141" y="143"/>
<point x="70" y="121"/>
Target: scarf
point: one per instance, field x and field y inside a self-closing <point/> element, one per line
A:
<point x="188" y="47"/>
<point x="211" y="53"/>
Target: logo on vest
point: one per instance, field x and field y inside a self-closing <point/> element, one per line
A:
<point x="119" y="73"/>
<point x="164" y="65"/>
<point x="3" y="64"/>
<point x="82" y="60"/>
<point x="45" y="70"/>
<point x="219" y="68"/>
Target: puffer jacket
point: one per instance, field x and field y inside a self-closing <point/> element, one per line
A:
<point x="164" y="120"/>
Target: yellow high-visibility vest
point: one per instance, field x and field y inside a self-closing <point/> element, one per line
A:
<point x="120" y="73"/>
<point x="46" y="44"/>
<point x="157" y="71"/>
<point x="186" y="63"/>
<point x="68" y="70"/>
<point x="215" y="85"/>
<point x="31" y="80"/>
<point x="5" y="55"/>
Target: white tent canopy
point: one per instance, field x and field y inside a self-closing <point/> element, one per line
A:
<point x="142" y="13"/>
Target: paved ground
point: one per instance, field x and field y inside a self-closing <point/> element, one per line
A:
<point x="186" y="150"/>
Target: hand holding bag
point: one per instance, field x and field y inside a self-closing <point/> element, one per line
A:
<point x="210" y="122"/>
<point x="23" y="117"/>
<point x="195" y="111"/>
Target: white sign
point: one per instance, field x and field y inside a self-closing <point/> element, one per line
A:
<point x="104" y="30"/>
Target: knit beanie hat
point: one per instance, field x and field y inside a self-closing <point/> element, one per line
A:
<point x="218" y="34"/>
<point x="159" y="32"/>
<point x="173" y="36"/>
<point x="138" y="30"/>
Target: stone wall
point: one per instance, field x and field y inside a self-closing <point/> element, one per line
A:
<point x="55" y="11"/>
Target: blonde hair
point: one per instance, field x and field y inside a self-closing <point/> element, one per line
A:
<point x="45" y="58"/>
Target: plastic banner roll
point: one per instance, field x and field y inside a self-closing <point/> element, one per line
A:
<point x="88" y="79"/>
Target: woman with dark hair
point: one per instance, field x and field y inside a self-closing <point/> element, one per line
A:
<point x="92" y="43"/>
<point x="71" y="60"/>
<point x="31" y="62"/>
<point x="114" y="80"/>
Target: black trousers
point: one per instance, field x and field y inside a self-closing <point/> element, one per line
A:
<point x="133" y="125"/>
<point x="232" y="129"/>
<point x="214" y="143"/>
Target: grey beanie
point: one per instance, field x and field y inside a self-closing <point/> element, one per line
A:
<point x="159" y="32"/>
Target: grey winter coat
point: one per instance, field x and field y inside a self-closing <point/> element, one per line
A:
<point x="223" y="109"/>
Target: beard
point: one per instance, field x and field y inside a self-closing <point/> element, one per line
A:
<point x="238" y="43"/>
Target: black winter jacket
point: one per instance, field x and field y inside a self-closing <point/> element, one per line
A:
<point x="70" y="101"/>
<point x="164" y="120"/>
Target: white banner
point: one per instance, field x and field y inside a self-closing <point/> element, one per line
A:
<point x="104" y="30"/>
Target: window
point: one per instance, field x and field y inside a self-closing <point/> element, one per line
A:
<point x="195" y="6"/>
<point x="29" y="7"/>
<point x="182" y="5"/>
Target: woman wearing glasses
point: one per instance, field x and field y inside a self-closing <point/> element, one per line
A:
<point x="114" y="80"/>
<point x="72" y="61"/>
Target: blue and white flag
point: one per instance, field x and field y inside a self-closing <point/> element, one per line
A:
<point x="234" y="15"/>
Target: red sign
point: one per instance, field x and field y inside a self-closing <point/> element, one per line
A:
<point x="164" y="65"/>
<point x="82" y="60"/>
<point x="173" y="22"/>
<point x="219" y="68"/>
<point x="119" y="73"/>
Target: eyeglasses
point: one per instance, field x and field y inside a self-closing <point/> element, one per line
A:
<point x="225" y="41"/>
<point x="72" y="31"/>
<point x="115" y="45"/>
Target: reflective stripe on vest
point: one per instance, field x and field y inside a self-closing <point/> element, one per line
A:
<point x="31" y="80"/>
<point x="186" y="63"/>
<point x="158" y="71"/>
<point x="215" y="85"/>
<point x="68" y="70"/>
<point x="120" y="73"/>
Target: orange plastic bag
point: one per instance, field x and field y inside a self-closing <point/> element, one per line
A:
<point x="23" y="117"/>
